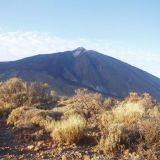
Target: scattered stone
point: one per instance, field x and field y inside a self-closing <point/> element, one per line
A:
<point x="50" y="144"/>
<point x="40" y="143"/>
<point x="36" y="148"/>
<point x="86" y="157"/>
<point x="30" y="147"/>
<point x="64" y="157"/>
<point x="53" y="145"/>
<point x="41" y="153"/>
<point x="78" y="154"/>
<point x="60" y="150"/>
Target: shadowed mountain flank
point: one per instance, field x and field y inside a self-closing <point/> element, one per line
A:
<point x="81" y="68"/>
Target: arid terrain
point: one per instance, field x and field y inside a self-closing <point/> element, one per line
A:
<point x="36" y="123"/>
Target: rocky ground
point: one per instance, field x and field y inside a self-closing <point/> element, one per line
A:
<point x="12" y="148"/>
<point x="86" y="126"/>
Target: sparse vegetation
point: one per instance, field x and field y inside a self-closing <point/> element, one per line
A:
<point x="15" y="93"/>
<point x="127" y="129"/>
<point x="132" y="125"/>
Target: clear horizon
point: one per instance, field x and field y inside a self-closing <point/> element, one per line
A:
<point x="126" y="30"/>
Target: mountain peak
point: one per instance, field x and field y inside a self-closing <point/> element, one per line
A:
<point x="78" y="51"/>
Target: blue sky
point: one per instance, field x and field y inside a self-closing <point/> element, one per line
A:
<point x="125" y="29"/>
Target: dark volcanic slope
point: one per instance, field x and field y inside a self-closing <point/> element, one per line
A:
<point x="69" y="70"/>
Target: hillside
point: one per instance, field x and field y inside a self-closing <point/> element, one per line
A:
<point x="81" y="68"/>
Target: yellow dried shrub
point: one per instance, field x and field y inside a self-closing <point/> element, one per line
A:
<point x="70" y="130"/>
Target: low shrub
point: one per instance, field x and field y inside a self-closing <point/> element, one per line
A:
<point x="15" y="93"/>
<point x="150" y="129"/>
<point x="12" y="95"/>
<point x="29" y="116"/>
<point x="131" y="129"/>
<point x="119" y="137"/>
<point x="21" y="117"/>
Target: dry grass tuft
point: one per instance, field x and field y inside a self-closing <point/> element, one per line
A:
<point x="70" y="130"/>
<point x="128" y="114"/>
